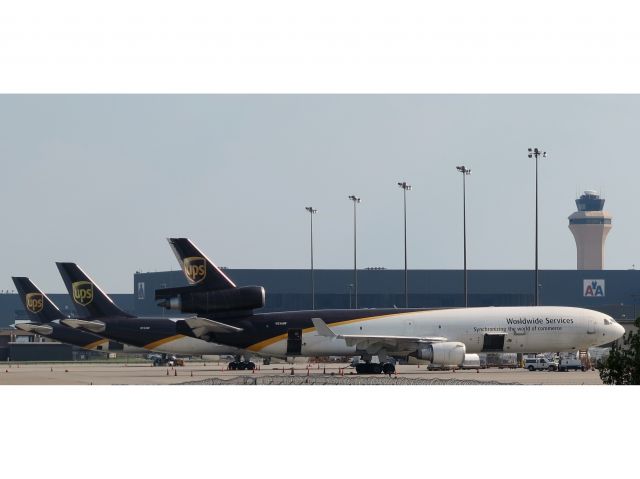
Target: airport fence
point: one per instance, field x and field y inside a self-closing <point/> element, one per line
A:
<point x="340" y="381"/>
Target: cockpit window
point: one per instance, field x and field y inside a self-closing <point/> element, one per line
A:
<point x="607" y="322"/>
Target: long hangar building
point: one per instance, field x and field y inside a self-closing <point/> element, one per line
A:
<point x="616" y="292"/>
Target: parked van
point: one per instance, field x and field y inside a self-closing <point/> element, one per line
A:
<point x="540" y="364"/>
<point x="570" y="363"/>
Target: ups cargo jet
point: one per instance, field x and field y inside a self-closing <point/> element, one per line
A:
<point x="442" y="336"/>
<point x="45" y="320"/>
<point x="101" y="316"/>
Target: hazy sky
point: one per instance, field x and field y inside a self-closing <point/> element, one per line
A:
<point x="103" y="180"/>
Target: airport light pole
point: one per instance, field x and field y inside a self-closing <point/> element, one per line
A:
<point x="536" y="153"/>
<point x="355" y="200"/>
<point x="405" y="187"/>
<point x="465" y="172"/>
<point x="312" y="212"/>
<point x="539" y="294"/>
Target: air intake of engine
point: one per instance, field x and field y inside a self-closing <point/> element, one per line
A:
<point x="447" y="354"/>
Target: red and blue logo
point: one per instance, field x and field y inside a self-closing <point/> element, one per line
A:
<point x="593" y="288"/>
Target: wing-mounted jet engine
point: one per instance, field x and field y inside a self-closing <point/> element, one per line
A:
<point x="445" y="354"/>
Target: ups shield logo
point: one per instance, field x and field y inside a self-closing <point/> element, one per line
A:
<point x="82" y="292"/>
<point x="35" y="302"/>
<point x="195" y="269"/>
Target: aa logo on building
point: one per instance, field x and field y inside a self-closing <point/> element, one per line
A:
<point x="593" y="287"/>
<point x="35" y="302"/>
<point x="195" y="269"/>
<point x="82" y="292"/>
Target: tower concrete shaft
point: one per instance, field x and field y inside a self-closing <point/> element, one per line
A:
<point x="590" y="226"/>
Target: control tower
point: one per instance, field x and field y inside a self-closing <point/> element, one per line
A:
<point x="590" y="226"/>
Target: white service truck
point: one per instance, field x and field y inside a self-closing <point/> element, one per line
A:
<point x="540" y="364"/>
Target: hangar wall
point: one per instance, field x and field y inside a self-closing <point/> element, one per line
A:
<point x="616" y="292"/>
<point x="612" y="291"/>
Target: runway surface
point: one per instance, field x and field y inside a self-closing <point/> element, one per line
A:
<point x="82" y="373"/>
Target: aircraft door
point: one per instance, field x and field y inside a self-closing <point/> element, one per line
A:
<point x="294" y="342"/>
<point x="591" y="328"/>
<point x="493" y="343"/>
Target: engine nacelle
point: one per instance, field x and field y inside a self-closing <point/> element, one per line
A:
<point x="202" y="302"/>
<point x="444" y="354"/>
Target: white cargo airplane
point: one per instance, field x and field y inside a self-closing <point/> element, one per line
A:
<point x="444" y="337"/>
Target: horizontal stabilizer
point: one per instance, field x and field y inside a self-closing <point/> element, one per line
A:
<point x="204" y="326"/>
<point x="25" y="326"/>
<point x="93" y="326"/>
<point x="42" y="329"/>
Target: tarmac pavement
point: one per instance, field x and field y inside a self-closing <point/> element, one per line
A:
<point x="104" y="373"/>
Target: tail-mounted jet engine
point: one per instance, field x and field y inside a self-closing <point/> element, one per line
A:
<point x="445" y="354"/>
<point x="186" y="300"/>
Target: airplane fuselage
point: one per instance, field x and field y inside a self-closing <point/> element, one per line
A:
<point x="162" y="335"/>
<point x="491" y="329"/>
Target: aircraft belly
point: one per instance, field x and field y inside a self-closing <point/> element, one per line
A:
<point x="548" y="341"/>
<point x="188" y="345"/>
<point x="278" y="348"/>
<point x="128" y="349"/>
<point x="314" y="345"/>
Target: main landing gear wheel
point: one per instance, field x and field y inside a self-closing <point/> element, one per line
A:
<point x="372" y="368"/>
<point x="388" y="368"/>
<point x="241" y="365"/>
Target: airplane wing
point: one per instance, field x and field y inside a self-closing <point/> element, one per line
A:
<point x="204" y="326"/>
<point x="374" y="341"/>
